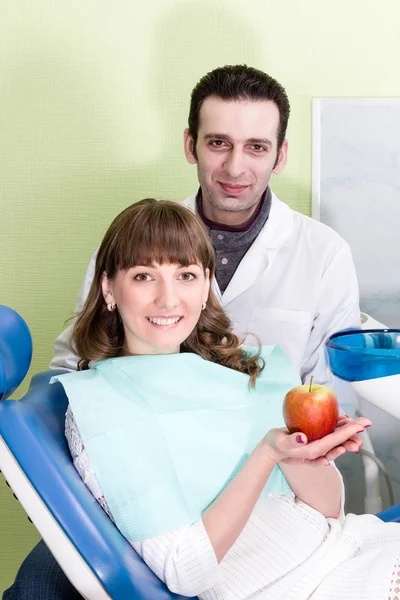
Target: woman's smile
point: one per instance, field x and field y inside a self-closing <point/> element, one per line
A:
<point x="165" y="322"/>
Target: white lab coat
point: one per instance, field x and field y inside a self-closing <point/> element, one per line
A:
<point x="295" y="286"/>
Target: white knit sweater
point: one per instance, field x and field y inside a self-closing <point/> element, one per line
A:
<point x="287" y="551"/>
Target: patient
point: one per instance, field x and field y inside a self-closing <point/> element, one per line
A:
<point x="177" y="430"/>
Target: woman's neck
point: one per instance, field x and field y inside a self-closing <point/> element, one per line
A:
<point x="130" y="352"/>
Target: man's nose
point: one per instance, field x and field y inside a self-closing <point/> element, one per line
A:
<point x="234" y="163"/>
<point x="167" y="297"/>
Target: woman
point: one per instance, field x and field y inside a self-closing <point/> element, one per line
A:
<point x="180" y="434"/>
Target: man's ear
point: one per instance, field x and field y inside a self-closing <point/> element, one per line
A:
<point x="106" y="288"/>
<point x="188" y="144"/>
<point x="282" y="158"/>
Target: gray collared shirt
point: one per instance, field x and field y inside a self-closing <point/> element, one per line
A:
<point x="231" y="244"/>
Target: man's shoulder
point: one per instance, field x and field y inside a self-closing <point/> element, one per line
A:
<point x="308" y="228"/>
<point x="190" y="202"/>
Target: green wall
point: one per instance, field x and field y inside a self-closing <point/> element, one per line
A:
<point x="94" y="99"/>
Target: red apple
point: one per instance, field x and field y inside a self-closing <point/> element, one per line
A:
<point x="311" y="409"/>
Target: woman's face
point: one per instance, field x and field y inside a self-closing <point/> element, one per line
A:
<point x="159" y="304"/>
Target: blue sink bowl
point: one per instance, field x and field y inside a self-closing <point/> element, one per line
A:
<point x="359" y="355"/>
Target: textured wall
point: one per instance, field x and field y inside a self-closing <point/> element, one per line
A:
<point x="94" y="99"/>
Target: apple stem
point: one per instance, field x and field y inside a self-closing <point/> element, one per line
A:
<point x="309" y="389"/>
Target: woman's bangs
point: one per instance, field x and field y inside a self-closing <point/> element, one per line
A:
<point x="170" y="240"/>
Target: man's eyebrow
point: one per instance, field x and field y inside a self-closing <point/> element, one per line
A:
<point x="218" y="136"/>
<point x="264" y="141"/>
<point x="227" y="138"/>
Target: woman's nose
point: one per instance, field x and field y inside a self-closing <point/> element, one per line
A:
<point x="167" y="297"/>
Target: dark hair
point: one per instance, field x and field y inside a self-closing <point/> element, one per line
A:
<point x="238" y="82"/>
<point x="163" y="232"/>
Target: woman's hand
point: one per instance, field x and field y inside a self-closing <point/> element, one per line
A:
<point x="291" y="448"/>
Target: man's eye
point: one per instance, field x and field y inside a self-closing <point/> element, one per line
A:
<point x="187" y="276"/>
<point x="217" y="143"/>
<point x="258" y="148"/>
<point x="142" y="277"/>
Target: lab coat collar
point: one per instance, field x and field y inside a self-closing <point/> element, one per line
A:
<point x="275" y="234"/>
<point x="279" y="226"/>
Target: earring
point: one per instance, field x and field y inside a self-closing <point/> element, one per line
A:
<point x="203" y="305"/>
<point x="111" y="307"/>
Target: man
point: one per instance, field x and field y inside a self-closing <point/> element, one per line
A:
<point x="280" y="275"/>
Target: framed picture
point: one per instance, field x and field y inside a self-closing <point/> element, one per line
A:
<point x="356" y="191"/>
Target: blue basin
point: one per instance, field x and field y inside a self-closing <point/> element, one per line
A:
<point x="359" y="355"/>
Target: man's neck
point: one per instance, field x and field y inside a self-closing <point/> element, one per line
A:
<point x="234" y="220"/>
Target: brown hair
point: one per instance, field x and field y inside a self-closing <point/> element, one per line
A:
<point x="163" y="232"/>
<point x="238" y="82"/>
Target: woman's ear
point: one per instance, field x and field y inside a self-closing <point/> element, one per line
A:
<point x="106" y="288"/>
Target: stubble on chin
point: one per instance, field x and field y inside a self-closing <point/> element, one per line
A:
<point x="230" y="204"/>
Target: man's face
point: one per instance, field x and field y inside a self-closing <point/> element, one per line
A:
<point x="236" y="154"/>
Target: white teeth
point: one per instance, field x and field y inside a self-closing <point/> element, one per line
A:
<point x="163" y="321"/>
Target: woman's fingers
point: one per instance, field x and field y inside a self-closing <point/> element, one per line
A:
<point x="353" y="444"/>
<point x="342" y="420"/>
<point x="336" y="452"/>
<point x="342" y="434"/>
<point x="345" y="419"/>
<point x="344" y="437"/>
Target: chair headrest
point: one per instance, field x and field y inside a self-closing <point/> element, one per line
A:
<point x="15" y="350"/>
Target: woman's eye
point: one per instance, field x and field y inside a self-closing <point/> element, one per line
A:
<point x="187" y="276"/>
<point x="142" y="277"/>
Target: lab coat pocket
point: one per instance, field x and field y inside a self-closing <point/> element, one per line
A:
<point x="286" y="327"/>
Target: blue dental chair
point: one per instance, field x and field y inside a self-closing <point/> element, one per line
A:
<point x="35" y="460"/>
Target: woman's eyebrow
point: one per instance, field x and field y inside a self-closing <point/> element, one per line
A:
<point x="150" y="265"/>
<point x="190" y="265"/>
<point x="144" y="265"/>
